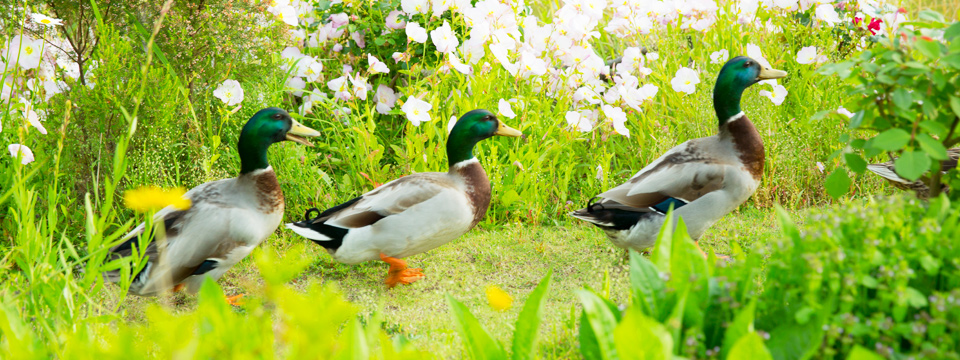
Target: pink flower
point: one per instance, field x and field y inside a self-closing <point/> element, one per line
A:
<point x="394" y="21"/>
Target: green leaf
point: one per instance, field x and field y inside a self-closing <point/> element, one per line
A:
<point x="646" y="283"/>
<point x="856" y="120"/>
<point x="741" y="326"/>
<point x="869" y="282"/>
<point x="955" y="105"/>
<point x="912" y="164"/>
<point x="932" y="147"/>
<point x="478" y="342"/>
<point x="934" y="128"/>
<point x="952" y="31"/>
<point x="855" y="162"/>
<point x="930" y="49"/>
<point x="661" y="251"/>
<point x="794" y="342"/>
<point x="902" y="98"/>
<point x="642" y="338"/>
<point x="750" y="346"/>
<point x="838" y="183"/>
<point x="860" y="353"/>
<point x="891" y="140"/>
<point x="953" y="59"/>
<point x="915" y="298"/>
<point x="601" y="323"/>
<point x="528" y="323"/>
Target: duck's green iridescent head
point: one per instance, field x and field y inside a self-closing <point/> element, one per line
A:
<point x="266" y="127"/>
<point x="738" y="74"/>
<point x="473" y="127"/>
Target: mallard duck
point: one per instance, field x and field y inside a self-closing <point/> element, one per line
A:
<point x="886" y="170"/>
<point x="227" y="218"/>
<point x="415" y="213"/>
<point x="702" y="179"/>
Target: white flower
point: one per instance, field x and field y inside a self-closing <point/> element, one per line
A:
<point x="340" y="88"/>
<point x="807" y="55"/>
<point x="599" y="172"/>
<point x="530" y="64"/>
<point x="24" y="51"/>
<point x="440" y="6"/>
<point x="394" y="21"/>
<point x="377" y="66"/>
<point x="843" y="111"/>
<point x="827" y="14"/>
<point x="21" y="150"/>
<point x="34" y="120"/>
<point x="504" y="109"/>
<point x="229" y="92"/>
<point x="400" y="56"/>
<point x="413" y="7"/>
<point x="618" y="117"/>
<point x="458" y="65"/>
<point x="386" y="99"/>
<point x="451" y="124"/>
<point x="719" y="57"/>
<point x="296" y="84"/>
<point x="754" y="52"/>
<point x="685" y="80"/>
<point x="651" y="56"/>
<point x="416" y="110"/>
<point x="416" y="33"/>
<point x="444" y="38"/>
<point x="45" y="20"/>
<point x="579" y="120"/>
<point x="777" y="96"/>
<point x="358" y="86"/>
<point x="287" y="14"/>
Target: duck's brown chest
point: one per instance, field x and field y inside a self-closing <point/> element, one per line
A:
<point x="477" y="188"/>
<point x="749" y="145"/>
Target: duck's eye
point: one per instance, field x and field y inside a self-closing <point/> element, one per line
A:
<point x="749" y="64"/>
<point x="278" y="116"/>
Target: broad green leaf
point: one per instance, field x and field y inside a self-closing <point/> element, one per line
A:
<point x="915" y="298"/>
<point x="953" y="59"/>
<point x="642" y="338"/>
<point x="934" y="128"/>
<point x="902" y="98"/>
<point x="601" y="322"/>
<point x="741" y="326"/>
<point x="930" y="15"/>
<point x="891" y="140"/>
<point x="955" y="105"/>
<point x="688" y="270"/>
<point x="528" y="323"/>
<point x="857" y="119"/>
<point x="750" y="346"/>
<point x="838" y="183"/>
<point x="855" y="162"/>
<point x="647" y="284"/>
<point x="661" y="251"/>
<point x="952" y="31"/>
<point x="930" y="49"/>
<point x="860" y="353"/>
<point x="932" y="147"/>
<point x="912" y="164"/>
<point x="475" y="338"/>
<point x="589" y="345"/>
<point x="794" y="341"/>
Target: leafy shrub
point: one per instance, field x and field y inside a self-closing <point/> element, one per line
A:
<point x="865" y="275"/>
<point x="906" y="98"/>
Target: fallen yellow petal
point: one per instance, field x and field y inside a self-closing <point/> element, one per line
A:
<point x="498" y="299"/>
<point x="154" y="198"/>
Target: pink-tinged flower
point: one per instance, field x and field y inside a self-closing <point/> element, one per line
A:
<point x="842" y="111"/>
<point x="337" y="47"/>
<point x="394" y="21"/>
<point x="312" y="71"/>
<point x="874" y="26"/>
<point x="444" y="38"/>
<point x="386" y="99"/>
<point x="685" y="80"/>
<point x="440" y="6"/>
<point x="579" y="120"/>
<point x="340" y="88"/>
<point x="359" y="86"/>
<point x="229" y="92"/>
<point x="357" y="37"/>
<point x="719" y="57"/>
<point x="295" y="85"/>
<point x="777" y="96"/>
<point x="34" y="119"/>
<point x="588" y="94"/>
<point x="338" y="20"/>
<point x="503" y="107"/>
<point x="377" y="66"/>
<point x="291" y="54"/>
<point x="22" y="152"/>
<point x="458" y="65"/>
<point x="45" y="20"/>
<point x="413" y="7"/>
<point x="827" y="14"/>
<point x="416" y="32"/>
<point x="399" y="57"/>
<point x="416" y="110"/>
<point x="599" y="172"/>
<point x="25" y="51"/>
<point x="807" y="55"/>
<point x="619" y="119"/>
<point x="530" y="64"/>
<point x="754" y="52"/>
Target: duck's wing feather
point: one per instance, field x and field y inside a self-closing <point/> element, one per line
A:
<point x="389" y="199"/>
<point x="681" y="174"/>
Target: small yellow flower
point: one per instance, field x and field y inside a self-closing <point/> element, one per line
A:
<point x="498" y="299"/>
<point x="154" y="198"/>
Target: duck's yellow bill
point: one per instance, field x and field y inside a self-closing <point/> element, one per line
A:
<point x="298" y="133"/>
<point x="768" y="73"/>
<point x="504" y="130"/>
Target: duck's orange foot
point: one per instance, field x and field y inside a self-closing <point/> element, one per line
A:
<point x="399" y="273"/>
<point x="235" y="300"/>
<point x="178" y="287"/>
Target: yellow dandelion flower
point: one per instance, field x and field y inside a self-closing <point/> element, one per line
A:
<point x="154" y="198"/>
<point x="498" y="299"/>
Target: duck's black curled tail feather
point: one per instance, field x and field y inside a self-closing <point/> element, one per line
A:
<point x="609" y="217"/>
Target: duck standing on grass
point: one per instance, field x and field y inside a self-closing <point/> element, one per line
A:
<point x="227" y="218"/>
<point x="415" y="213"/>
<point x="888" y="171"/>
<point x="702" y="179"/>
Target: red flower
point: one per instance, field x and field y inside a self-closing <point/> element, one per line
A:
<point x="874" y="26"/>
<point x="927" y="38"/>
<point x="902" y="10"/>
<point x="857" y="20"/>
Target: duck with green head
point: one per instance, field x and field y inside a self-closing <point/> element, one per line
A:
<point x="226" y="220"/>
<point x="415" y="213"/>
<point x="701" y="179"/>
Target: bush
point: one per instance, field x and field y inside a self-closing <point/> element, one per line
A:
<point x="864" y="275"/>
